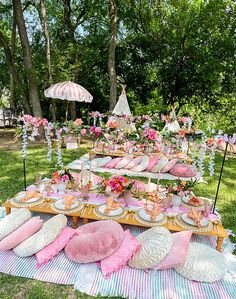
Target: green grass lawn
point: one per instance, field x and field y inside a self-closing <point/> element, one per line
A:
<point x="11" y="182"/>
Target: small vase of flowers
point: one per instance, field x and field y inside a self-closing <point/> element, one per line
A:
<point x="61" y="179"/>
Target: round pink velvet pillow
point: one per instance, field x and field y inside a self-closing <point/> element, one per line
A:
<point x="113" y="163"/>
<point x="183" y="170"/>
<point x="152" y="162"/>
<point x="95" y="241"/>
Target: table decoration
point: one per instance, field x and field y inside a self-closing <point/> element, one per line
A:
<point x="116" y="214"/>
<point x="30" y="202"/>
<point x="145" y="219"/>
<point x="59" y="207"/>
<point x="183" y="224"/>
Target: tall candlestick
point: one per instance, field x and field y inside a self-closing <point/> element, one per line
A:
<point x="90" y="171"/>
<point x="158" y="180"/>
<point x="148" y="185"/>
<point x="81" y="173"/>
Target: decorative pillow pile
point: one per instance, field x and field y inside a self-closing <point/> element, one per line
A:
<point x="12" y="221"/>
<point x="47" y="234"/>
<point x="124" y="161"/>
<point x="134" y="162"/>
<point x="95" y="241"/>
<point x="100" y="162"/>
<point x="47" y="253"/>
<point x="22" y="233"/>
<point x="183" y="170"/>
<point x="203" y="263"/>
<point x="152" y="162"/>
<point x="160" y="165"/>
<point x="113" y="162"/>
<point x="169" y="165"/>
<point x="155" y="243"/>
<point x="121" y="256"/>
<point x="178" y="251"/>
<point x="143" y="164"/>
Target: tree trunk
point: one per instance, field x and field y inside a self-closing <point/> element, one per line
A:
<point x="44" y="24"/>
<point x="112" y="53"/>
<point x="15" y="81"/>
<point x="73" y="113"/>
<point x="27" y="58"/>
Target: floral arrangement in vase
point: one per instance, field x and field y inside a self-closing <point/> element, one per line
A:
<point x="181" y="187"/>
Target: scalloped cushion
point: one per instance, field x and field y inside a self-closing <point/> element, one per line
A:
<point x="152" y="162"/>
<point x="178" y="251"/>
<point x="47" y="234"/>
<point x="203" y="263"/>
<point x="124" y="161"/>
<point x="143" y="164"/>
<point x="183" y="170"/>
<point x="113" y="162"/>
<point x="22" y="233"/>
<point x="121" y="256"/>
<point x="133" y="163"/>
<point x="160" y="165"/>
<point x="13" y="221"/>
<point x="47" y="253"/>
<point x="169" y="165"/>
<point x="100" y="162"/>
<point x="95" y="241"/>
<point x="155" y="243"/>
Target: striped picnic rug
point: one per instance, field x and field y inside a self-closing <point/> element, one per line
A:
<point x="127" y="282"/>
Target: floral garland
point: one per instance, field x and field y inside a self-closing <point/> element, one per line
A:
<point x="212" y="161"/>
<point x="47" y="130"/>
<point x="59" y="143"/>
<point x="201" y="157"/>
<point x="24" y="139"/>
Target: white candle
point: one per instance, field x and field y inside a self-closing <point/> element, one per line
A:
<point x="148" y="185"/>
<point x="81" y="173"/>
<point x="158" y="180"/>
<point x="90" y="171"/>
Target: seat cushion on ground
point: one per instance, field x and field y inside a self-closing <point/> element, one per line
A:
<point x="100" y="162"/>
<point x="178" y="251"/>
<point x="47" y="234"/>
<point x="203" y="263"/>
<point x="13" y="221"/>
<point x="155" y="243"/>
<point x="121" y="256"/>
<point x="124" y="161"/>
<point x="95" y="241"/>
<point x="133" y="163"/>
<point x="152" y="162"/>
<point x="48" y="252"/>
<point x="169" y="165"/>
<point x="183" y="170"/>
<point x="142" y="165"/>
<point x="113" y="162"/>
<point x="22" y="233"/>
<point x="160" y="165"/>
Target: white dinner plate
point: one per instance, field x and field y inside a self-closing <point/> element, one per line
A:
<point x="203" y="222"/>
<point x="21" y="195"/>
<point x="116" y="212"/>
<point x="145" y="216"/>
<point x="60" y="205"/>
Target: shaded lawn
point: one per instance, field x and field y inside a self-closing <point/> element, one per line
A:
<point x="11" y="182"/>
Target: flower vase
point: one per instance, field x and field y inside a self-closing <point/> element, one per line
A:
<point x="176" y="201"/>
<point x="85" y="192"/>
<point x="61" y="187"/>
<point x="127" y="197"/>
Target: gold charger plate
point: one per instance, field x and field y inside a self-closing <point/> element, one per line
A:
<point x="99" y="214"/>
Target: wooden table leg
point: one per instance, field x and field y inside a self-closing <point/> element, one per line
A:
<point x="219" y="243"/>
<point x="85" y="220"/>
<point x="8" y="210"/>
<point x="75" y="221"/>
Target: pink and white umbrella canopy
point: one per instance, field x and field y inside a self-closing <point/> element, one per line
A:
<point x="68" y="91"/>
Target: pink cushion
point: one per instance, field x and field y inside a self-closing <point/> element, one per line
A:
<point x="133" y="163"/>
<point x="113" y="163"/>
<point x="183" y="170"/>
<point x="152" y="162"/>
<point x="140" y="186"/>
<point x="25" y="231"/>
<point x="169" y="165"/>
<point x="95" y="241"/>
<point x="124" y="161"/>
<point x="178" y="252"/>
<point x="48" y="252"/>
<point x="121" y="256"/>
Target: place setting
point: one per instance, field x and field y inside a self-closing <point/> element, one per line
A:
<point x="109" y="210"/>
<point x="151" y="215"/>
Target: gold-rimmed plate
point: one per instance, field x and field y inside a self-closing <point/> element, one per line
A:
<point x="113" y="213"/>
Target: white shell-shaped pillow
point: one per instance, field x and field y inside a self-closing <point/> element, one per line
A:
<point x="143" y="164"/>
<point x="160" y="165"/>
<point x="47" y="234"/>
<point x="203" y="263"/>
<point x="100" y="162"/>
<point x="155" y="243"/>
<point x="125" y="161"/>
<point x="133" y="163"/>
<point x="13" y="221"/>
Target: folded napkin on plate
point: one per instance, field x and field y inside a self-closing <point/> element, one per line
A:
<point x="196" y="216"/>
<point x="68" y="201"/>
<point x="29" y="195"/>
<point x="111" y="205"/>
<point x="154" y="212"/>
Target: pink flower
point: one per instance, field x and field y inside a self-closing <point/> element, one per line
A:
<point x="147" y="117"/>
<point x="65" y="178"/>
<point x="60" y="131"/>
<point x="98" y="131"/>
<point x="92" y="129"/>
<point x="44" y="121"/>
<point x="27" y="118"/>
<point x="152" y="134"/>
<point x="83" y="132"/>
<point x="78" y="122"/>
